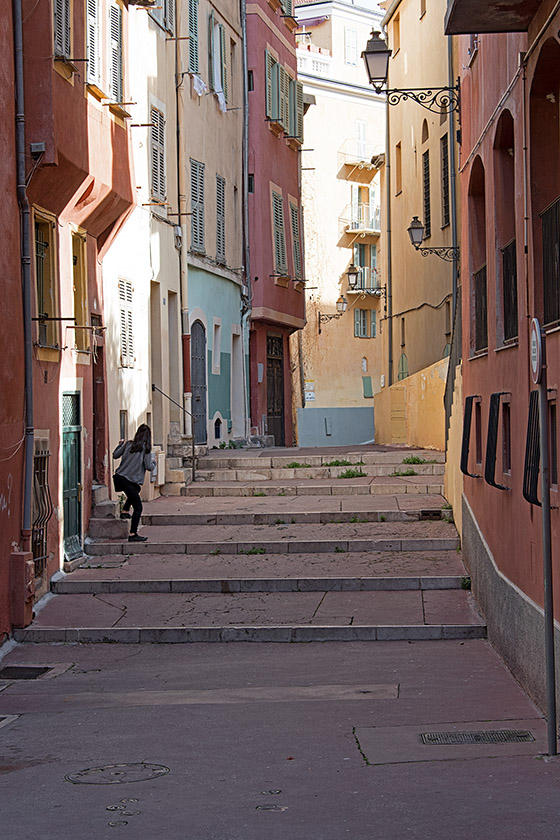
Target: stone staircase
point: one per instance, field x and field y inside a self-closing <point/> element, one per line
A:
<point x="283" y="566"/>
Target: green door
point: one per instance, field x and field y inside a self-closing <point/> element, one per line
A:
<point x="72" y="475"/>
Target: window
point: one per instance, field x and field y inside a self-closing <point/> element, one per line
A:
<point x="169" y="15"/>
<point x="398" y="169"/>
<point x="127" y="334"/>
<point x="426" y="193"/>
<point x="403" y="366"/>
<point x="403" y="332"/>
<point x="295" y="127"/>
<point x="217" y="65"/>
<point x="478" y="431"/>
<point x="193" y="36"/>
<point x="422" y="8"/>
<point x="47" y="306"/>
<point x="197" y="206"/>
<point x="217" y="347"/>
<point x="157" y="155"/>
<point x="115" y="55"/>
<point x="509" y="290"/>
<point x="123" y="425"/>
<point x="506" y="437"/>
<point x="220" y="219"/>
<point x="481" y="310"/>
<point x="250" y="80"/>
<point x="272" y="111"/>
<point x="280" y="263"/>
<point x="350" y="46"/>
<point x="294" y="219"/>
<point x="553" y="442"/>
<point x="444" y="146"/>
<point x="79" y="279"/>
<point x="92" y="42"/>
<point x="551" y="267"/>
<point x="61" y="9"/>
<point x="365" y="323"/>
<point x="373" y="323"/>
<point x="396" y="34"/>
<point x="278" y="98"/>
<point x="287" y="8"/>
<point x="251" y="182"/>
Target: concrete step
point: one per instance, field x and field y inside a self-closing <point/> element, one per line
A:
<point x="382" y="485"/>
<point x="108" y="528"/>
<point x="242" y="461"/>
<point x="283" y="474"/>
<point x="99" y="493"/>
<point x="295" y="517"/>
<point x="106" y="509"/>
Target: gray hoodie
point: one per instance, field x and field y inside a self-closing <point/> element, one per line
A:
<point x="133" y="465"/>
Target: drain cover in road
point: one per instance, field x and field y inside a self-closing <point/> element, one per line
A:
<point x="22" y="672"/>
<point x="491" y="736"/>
<point x="115" y="774"/>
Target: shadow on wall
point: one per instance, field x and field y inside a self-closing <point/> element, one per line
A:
<point x="335" y="426"/>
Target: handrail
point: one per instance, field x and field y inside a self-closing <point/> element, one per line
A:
<point x="185" y="411"/>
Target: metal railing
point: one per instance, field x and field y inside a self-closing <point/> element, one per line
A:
<point x="368" y="280"/>
<point x="361" y="217"/>
<point x="193" y="420"/>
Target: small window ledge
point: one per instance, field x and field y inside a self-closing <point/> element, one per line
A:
<point x="282" y="280"/>
<point x="290" y="22"/>
<point x="478" y="354"/>
<point x="508" y="346"/>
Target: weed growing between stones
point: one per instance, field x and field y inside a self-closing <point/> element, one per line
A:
<point x="352" y="474"/>
<point x="295" y="465"/>
<point x="404" y="472"/>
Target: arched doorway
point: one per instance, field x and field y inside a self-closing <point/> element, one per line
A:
<point x="198" y="381"/>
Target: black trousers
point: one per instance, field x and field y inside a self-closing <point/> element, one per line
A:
<point x="132" y="492"/>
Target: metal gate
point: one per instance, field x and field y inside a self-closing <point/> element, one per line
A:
<point x="72" y="474"/>
<point x="275" y="388"/>
<point x="198" y="380"/>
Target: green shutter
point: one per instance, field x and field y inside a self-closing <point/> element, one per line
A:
<point x="373" y="331"/>
<point x="294" y="218"/>
<point x="299" y="111"/>
<point x="193" y="36"/>
<point x="269" y="67"/>
<point x="279" y="236"/>
<point x="357" y="323"/>
<point x="367" y="387"/>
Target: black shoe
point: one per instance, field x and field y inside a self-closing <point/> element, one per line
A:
<point x="137" y="538"/>
<point x="125" y="515"/>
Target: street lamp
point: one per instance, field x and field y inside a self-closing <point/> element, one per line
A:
<point x="352" y="274"/>
<point x="416" y="233"/>
<point x="341" y="307"/>
<point x="376" y="58"/>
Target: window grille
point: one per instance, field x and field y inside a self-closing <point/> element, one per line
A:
<point x="444" y="181"/>
<point x="426" y="188"/>
<point x="220" y="219"/>
<point x="42" y="505"/>
<point x="551" y="258"/>
<point x="61" y="9"/>
<point x="157" y="144"/>
<point x="481" y="310"/>
<point x="280" y="262"/>
<point x="197" y="206"/>
<point x="509" y="290"/>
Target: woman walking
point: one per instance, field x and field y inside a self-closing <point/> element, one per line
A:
<point x="136" y="457"/>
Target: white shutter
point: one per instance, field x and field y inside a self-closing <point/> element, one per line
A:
<point x="92" y="38"/>
<point x="169" y="15"/>
<point x="223" y="61"/>
<point x="270" y="65"/>
<point x="350" y="46"/>
<point x="157" y="150"/>
<point x="197" y="206"/>
<point x="61" y="9"/>
<point x="279" y="235"/>
<point x="126" y="318"/>
<point x="220" y="218"/>
<point x="115" y="74"/>
<point x="212" y="70"/>
<point x="193" y="36"/>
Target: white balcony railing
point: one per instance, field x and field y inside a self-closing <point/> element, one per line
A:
<point x="356" y="152"/>
<point x="364" y="217"/>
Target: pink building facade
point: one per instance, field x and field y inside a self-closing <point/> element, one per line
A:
<point x="274" y="209"/>
<point x="510" y="170"/>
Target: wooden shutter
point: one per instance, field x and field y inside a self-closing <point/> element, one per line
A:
<point x="223" y="61"/>
<point x="157" y="150"/>
<point x="287" y="8"/>
<point x="357" y="323"/>
<point x="197" y="206"/>
<point x="193" y="36"/>
<point x="271" y="87"/>
<point x="115" y="77"/>
<point x="350" y="46"/>
<point x="220" y="218"/>
<point x="92" y="38"/>
<point x="127" y="334"/>
<point x="211" y="68"/>
<point x="279" y="236"/>
<point x="169" y="15"/>
<point x="373" y="323"/>
<point x="299" y="111"/>
<point x="62" y="28"/>
<point x="294" y="218"/>
<point x="284" y="98"/>
<point x="426" y="188"/>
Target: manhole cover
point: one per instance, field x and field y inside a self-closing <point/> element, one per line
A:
<point x="22" y="672"/>
<point x="490" y="736"/>
<point x="114" y="774"/>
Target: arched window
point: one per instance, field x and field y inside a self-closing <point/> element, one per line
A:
<point x="506" y="251"/>
<point x="403" y="366"/>
<point x="477" y="257"/>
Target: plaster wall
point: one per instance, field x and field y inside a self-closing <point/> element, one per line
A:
<point x="453" y="479"/>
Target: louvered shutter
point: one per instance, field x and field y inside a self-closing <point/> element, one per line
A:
<point x="220" y="218"/>
<point x="357" y="323"/>
<point x="92" y="36"/>
<point x="211" y="68"/>
<point x="62" y="28"/>
<point x="373" y="331"/>
<point x="126" y="317"/>
<point x="287" y="7"/>
<point x="279" y="236"/>
<point x="158" y="154"/>
<point x="115" y="28"/>
<point x="197" y="206"/>
<point x="299" y="111"/>
<point x="294" y="218"/>
<point x="271" y="87"/>
<point x="169" y="15"/>
<point x="223" y="61"/>
<point x="193" y="36"/>
<point x="284" y="97"/>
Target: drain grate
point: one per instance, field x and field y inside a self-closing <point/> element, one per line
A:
<point x="23" y="672"/>
<point x="489" y="736"/>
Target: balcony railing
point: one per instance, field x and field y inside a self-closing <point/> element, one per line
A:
<point x="361" y="217"/>
<point x="355" y="152"/>
<point x="368" y="280"/>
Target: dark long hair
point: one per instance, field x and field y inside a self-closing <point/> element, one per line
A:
<point x="142" y="439"/>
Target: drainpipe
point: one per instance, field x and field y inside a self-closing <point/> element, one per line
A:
<point x="389" y="283"/>
<point x="453" y="202"/>
<point x="25" y="256"/>
<point x="183" y="300"/>
<point x="245" y="298"/>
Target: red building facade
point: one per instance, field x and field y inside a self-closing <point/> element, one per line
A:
<point x="274" y="209"/>
<point x="510" y="169"/>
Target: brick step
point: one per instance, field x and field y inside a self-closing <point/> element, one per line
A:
<point x="285" y="474"/>
<point x="75" y="586"/>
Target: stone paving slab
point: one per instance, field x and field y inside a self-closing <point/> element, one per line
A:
<point x="276" y="518"/>
<point x="381" y="485"/>
<point x="382" y="564"/>
<point x="133" y="610"/>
